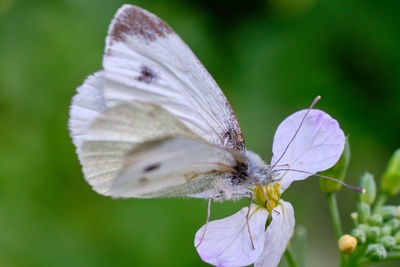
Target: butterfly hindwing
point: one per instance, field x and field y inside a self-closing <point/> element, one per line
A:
<point x="176" y="166"/>
<point x="138" y="149"/>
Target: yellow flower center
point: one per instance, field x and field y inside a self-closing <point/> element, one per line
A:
<point x="272" y="192"/>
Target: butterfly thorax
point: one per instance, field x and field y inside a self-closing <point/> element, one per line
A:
<point x="258" y="171"/>
<point x="246" y="179"/>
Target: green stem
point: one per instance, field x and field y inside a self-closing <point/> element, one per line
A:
<point x="392" y="255"/>
<point x="291" y="260"/>
<point x="337" y="226"/>
<point x="356" y="255"/>
<point x="301" y="238"/>
<point x="333" y="209"/>
<point x="380" y="201"/>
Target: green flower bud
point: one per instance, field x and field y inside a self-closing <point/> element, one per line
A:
<point x="388" y="242"/>
<point x="390" y="183"/>
<point x="368" y="183"/>
<point x="363" y="211"/>
<point x="375" y="252"/>
<point x="373" y="233"/>
<point x="396" y="248"/>
<point x="359" y="235"/>
<point x="354" y="218"/>
<point x="375" y="220"/>
<point x="363" y="227"/>
<point x="397" y="237"/>
<point x="394" y="224"/>
<point x="386" y="230"/>
<point x="338" y="171"/>
<point x="388" y="212"/>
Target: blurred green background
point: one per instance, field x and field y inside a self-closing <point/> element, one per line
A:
<point x="271" y="58"/>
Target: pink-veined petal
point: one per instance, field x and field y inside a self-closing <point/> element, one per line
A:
<point x="316" y="147"/>
<point x="227" y="241"/>
<point x="277" y="236"/>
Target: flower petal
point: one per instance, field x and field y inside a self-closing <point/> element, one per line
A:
<point x="316" y="147"/>
<point x="227" y="241"/>
<point x="277" y="236"/>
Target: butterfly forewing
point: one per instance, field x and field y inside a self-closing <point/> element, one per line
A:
<point x="85" y="107"/>
<point x="146" y="60"/>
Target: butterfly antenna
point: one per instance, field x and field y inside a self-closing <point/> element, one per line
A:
<point x="356" y="188"/>
<point x="298" y="129"/>
<point x="205" y="227"/>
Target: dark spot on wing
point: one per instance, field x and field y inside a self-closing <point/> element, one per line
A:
<point x="242" y="173"/>
<point x="147" y="75"/>
<point x="131" y="20"/>
<point x="152" y="167"/>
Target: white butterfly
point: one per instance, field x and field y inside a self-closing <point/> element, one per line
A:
<point x="153" y="123"/>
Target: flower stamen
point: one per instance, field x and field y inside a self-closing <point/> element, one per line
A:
<point x="268" y="196"/>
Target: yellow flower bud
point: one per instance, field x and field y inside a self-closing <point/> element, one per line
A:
<point x="347" y="244"/>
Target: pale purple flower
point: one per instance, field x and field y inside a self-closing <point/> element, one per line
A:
<point x="317" y="146"/>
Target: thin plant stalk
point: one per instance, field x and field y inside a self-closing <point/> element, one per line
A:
<point x="290" y="257"/>
<point x="380" y="201"/>
<point x="337" y="226"/>
<point x="391" y="255"/>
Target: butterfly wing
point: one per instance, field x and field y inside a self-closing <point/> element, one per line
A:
<point x="176" y="166"/>
<point x="146" y="60"/>
<point x="85" y="107"/>
<point x="138" y="149"/>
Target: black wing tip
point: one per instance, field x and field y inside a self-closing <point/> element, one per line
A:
<point x="132" y="20"/>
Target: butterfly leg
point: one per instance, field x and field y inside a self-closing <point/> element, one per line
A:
<point x="247" y="222"/>
<point x="208" y="219"/>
